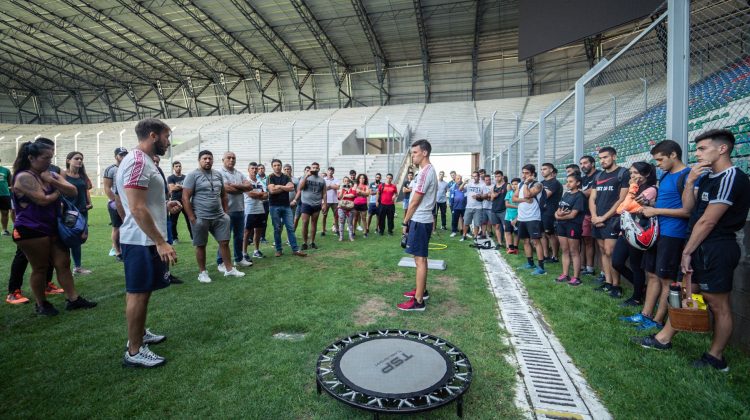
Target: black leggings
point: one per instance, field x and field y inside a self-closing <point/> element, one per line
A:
<point x="18" y="268"/>
<point x="634" y="274"/>
<point x="386" y="212"/>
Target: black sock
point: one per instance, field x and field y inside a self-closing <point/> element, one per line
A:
<point x="541" y="264"/>
<point x="530" y="260"/>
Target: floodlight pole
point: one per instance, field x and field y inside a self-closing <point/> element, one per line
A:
<point x="678" y="67"/>
<point x="19" y="138"/>
<point x="171" y="156"/>
<point x="55" y="145"/>
<point x="492" y="140"/>
<point x="328" y="141"/>
<point x="293" y="124"/>
<point x="123" y="132"/>
<point x="98" y="160"/>
<point x="75" y="141"/>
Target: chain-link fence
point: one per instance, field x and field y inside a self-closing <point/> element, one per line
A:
<point x="719" y="95"/>
<point x="559" y="127"/>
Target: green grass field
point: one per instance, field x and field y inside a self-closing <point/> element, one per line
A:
<point x="223" y="360"/>
<point x="633" y="382"/>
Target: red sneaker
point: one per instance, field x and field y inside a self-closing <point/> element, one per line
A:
<point x="411" y="305"/>
<point x="53" y="290"/>
<point x="412" y="292"/>
<point x="16" y="298"/>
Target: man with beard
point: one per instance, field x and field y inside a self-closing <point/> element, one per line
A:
<point x="235" y="185"/>
<point x="143" y="237"/>
<point x="588" y="175"/>
<point x="372" y="207"/>
<point x="332" y="200"/>
<point x="279" y="186"/>
<point x="205" y="201"/>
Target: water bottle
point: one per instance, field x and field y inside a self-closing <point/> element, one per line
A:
<point x="674" y="295"/>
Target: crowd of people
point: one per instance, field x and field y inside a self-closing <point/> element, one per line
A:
<point x="574" y="225"/>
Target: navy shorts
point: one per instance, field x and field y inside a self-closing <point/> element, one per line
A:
<point x="419" y="238"/>
<point x="144" y="270"/>
<point x="372" y="208"/>
<point x="310" y="210"/>
<point x="548" y="222"/>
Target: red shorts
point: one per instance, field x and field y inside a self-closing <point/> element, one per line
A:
<point x="586" y="232"/>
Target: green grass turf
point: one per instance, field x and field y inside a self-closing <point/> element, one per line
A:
<point x="223" y="361"/>
<point x="633" y="382"/>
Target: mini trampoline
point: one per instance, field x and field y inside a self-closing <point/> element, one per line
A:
<point x="394" y="371"/>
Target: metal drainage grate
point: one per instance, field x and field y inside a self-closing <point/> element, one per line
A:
<point x="551" y="391"/>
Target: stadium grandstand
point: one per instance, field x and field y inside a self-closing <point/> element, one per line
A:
<point x="351" y="84"/>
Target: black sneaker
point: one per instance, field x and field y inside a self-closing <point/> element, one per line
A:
<point x="498" y="247"/>
<point x="118" y="258"/>
<point x="708" y="360"/>
<point x="615" y="292"/>
<point x="601" y="279"/>
<point x="323" y="233"/>
<point x="650" y="342"/>
<point x="304" y="247"/>
<point x="79" y="303"/>
<point x="553" y="260"/>
<point x="175" y="280"/>
<point x="46" y="309"/>
<point x="604" y="287"/>
<point x="313" y="246"/>
<point x="631" y="302"/>
<point x="586" y="272"/>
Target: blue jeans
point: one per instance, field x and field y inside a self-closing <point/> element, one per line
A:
<point x="281" y="217"/>
<point x="237" y="224"/>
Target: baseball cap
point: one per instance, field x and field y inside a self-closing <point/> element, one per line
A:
<point x="121" y="151"/>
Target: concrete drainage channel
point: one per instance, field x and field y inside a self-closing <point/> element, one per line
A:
<point x="554" y="387"/>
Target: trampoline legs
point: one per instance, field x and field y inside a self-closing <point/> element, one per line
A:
<point x="317" y="385"/>
<point x="460" y="406"/>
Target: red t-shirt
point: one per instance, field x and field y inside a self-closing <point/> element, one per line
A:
<point x="348" y="194"/>
<point x="361" y="200"/>
<point x="388" y="193"/>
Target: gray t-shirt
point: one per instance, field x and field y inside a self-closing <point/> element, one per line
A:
<point x="442" y="192"/>
<point x="254" y="205"/>
<point x="236" y="201"/>
<point x="425" y="183"/>
<point x="315" y="187"/>
<point x="472" y="189"/>
<point x="293" y="193"/>
<point x="111" y="173"/>
<point x="206" y="198"/>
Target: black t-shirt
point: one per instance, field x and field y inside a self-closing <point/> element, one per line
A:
<point x="178" y="180"/>
<point x="498" y="204"/>
<point x="557" y="191"/>
<point x="608" y="186"/>
<point x="282" y="198"/>
<point x="587" y="182"/>
<point x="729" y="187"/>
<point x="573" y="201"/>
<point x="406" y="185"/>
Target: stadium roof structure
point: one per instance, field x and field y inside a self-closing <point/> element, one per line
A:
<point x="73" y="61"/>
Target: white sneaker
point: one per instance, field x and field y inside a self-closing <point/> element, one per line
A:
<point x="453" y="235"/>
<point x="234" y="273"/>
<point x="203" y="277"/>
<point x="221" y="268"/>
<point x="149" y="338"/>
<point x="112" y="252"/>
<point x="468" y="235"/>
<point x="463" y="238"/>
<point x="359" y="228"/>
<point x="144" y="358"/>
<point x="245" y="263"/>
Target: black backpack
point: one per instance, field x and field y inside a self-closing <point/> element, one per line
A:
<point x="680" y="181"/>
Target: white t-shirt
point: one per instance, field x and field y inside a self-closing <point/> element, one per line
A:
<point x="138" y="171"/>
<point x="425" y="183"/>
<point x="528" y="212"/>
<point x="487" y="203"/>
<point x="332" y="195"/>
<point x="254" y="205"/>
<point x="472" y="189"/>
<point x="236" y="201"/>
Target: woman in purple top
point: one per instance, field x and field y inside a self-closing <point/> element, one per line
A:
<point x="36" y="195"/>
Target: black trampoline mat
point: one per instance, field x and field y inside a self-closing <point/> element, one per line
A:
<point x="393" y="365"/>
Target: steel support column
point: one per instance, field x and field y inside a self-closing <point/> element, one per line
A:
<point x="678" y="66"/>
<point x="422" y="30"/>
<point x="379" y="58"/>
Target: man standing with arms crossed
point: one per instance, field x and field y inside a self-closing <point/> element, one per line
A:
<point x="235" y="185"/>
<point x="332" y="200"/>
<point x="373" y="204"/>
<point x="279" y="186"/>
<point x="387" y="194"/>
<point x="588" y="176"/>
<point x="143" y="237"/>
<point x="255" y="213"/>
<point x="418" y="222"/>
<point x="312" y="190"/>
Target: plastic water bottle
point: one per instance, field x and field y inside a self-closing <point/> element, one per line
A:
<point x="674" y="295"/>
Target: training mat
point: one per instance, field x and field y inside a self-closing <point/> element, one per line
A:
<point x="431" y="264"/>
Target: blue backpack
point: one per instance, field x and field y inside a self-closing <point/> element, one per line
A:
<point x="71" y="225"/>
